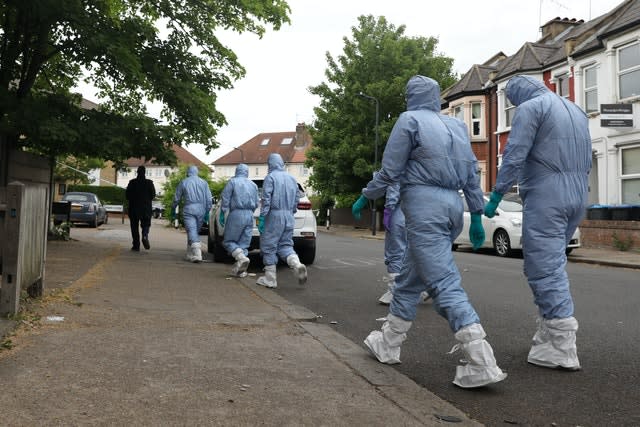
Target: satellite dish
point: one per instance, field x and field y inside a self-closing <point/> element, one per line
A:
<point x="167" y="173"/>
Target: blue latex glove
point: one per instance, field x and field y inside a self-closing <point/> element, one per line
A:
<point x="476" y="231"/>
<point x="221" y="218"/>
<point x="173" y="214"/>
<point x="386" y="219"/>
<point x="494" y="201"/>
<point x="206" y="218"/>
<point x="357" y="207"/>
<point x="260" y="224"/>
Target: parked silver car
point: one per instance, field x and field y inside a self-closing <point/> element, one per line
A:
<point x="85" y="208"/>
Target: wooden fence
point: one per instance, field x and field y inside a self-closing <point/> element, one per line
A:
<point x="24" y="213"/>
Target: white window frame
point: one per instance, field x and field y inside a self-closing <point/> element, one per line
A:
<point x="265" y="141"/>
<point x="629" y="176"/>
<point x="477" y="120"/>
<point x="509" y="112"/>
<point x="457" y="111"/>
<point x="559" y="79"/>
<point x="587" y="90"/>
<point x="620" y="73"/>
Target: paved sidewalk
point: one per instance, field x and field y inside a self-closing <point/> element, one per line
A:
<point x="145" y="338"/>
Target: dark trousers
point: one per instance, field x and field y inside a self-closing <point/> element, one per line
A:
<point x="136" y="223"/>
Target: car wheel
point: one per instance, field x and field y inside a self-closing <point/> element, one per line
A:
<point x="454" y="247"/>
<point x="216" y="248"/>
<point x="502" y="243"/>
<point x="106" y="218"/>
<point x="307" y="255"/>
<point x="94" y="223"/>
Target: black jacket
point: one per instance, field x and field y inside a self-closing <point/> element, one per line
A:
<point x="140" y="193"/>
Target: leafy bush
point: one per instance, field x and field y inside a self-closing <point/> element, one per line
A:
<point x="622" y="244"/>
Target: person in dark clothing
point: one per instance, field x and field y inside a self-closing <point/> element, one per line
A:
<point x="140" y="193"/>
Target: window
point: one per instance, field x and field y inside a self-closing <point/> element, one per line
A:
<point x="158" y="172"/>
<point x="124" y="174"/>
<point x="458" y="112"/>
<point x="265" y="141"/>
<point x="62" y="188"/>
<point x="304" y="170"/>
<point x="476" y="118"/>
<point x="629" y="71"/>
<point x="286" y="141"/>
<point x="562" y="85"/>
<point x="591" y="90"/>
<point x="630" y="177"/>
<point x="257" y="172"/>
<point x="509" y="111"/>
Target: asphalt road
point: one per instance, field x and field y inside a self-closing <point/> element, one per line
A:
<point x="345" y="282"/>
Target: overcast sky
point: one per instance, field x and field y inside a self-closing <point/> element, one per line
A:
<point x="274" y="96"/>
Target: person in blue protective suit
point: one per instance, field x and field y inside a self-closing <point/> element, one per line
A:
<point x="238" y="200"/>
<point x="197" y="204"/>
<point x="395" y="242"/>
<point x="548" y="154"/>
<point x="279" y="203"/>
<point x="430" y="156"/>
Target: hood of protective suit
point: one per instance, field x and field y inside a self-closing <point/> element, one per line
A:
<point x="423" y="93"/>
<point x="275" y="162"/>
<point x="523" y="88"/>
<point x="242" y="170"/>
<point x="193" y="170"/>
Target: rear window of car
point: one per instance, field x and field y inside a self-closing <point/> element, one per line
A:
<point x="78" y="198"/>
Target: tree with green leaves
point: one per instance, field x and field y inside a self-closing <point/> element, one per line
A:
<point x="75" y="170"/>
<point x="377" y="61"/>
<point x="133" y="52"/>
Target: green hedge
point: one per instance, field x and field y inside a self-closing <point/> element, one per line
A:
<point x="111" y="195"/>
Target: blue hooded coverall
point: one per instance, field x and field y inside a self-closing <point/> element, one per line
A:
<point x="395" y="238"/>
<point x="239" y="200"/>
<point x="280" y="198"/>
<point x="197" y="203"/>
<point x="548" y="154"/>
<point x="430" y="155"/>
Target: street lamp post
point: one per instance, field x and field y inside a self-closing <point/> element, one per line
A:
<point x="375" y="155"/>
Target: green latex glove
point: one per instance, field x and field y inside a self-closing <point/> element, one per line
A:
<point x="476" y="231"/>
<point x="260" y="224"/>
<point x="357" y="207"/>
<point x="221" y="218"/>
<point x="494" y="201"/>
<point x="206" y="218"/>
<point x="173" y="214"/>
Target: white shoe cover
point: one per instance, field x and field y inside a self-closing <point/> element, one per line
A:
<point x="300" y="269"/>
<point x="194" y="253"/>
<point x="385" y="354"/>
<point x="385" y="344"/>
<point x="424" y="296"/>
<point x="242" y="263"/>
<point x="386" y="298"/>
<point x="554" y="344"/>
<point x="269" y="278"/>
<point x="481" y="368"/>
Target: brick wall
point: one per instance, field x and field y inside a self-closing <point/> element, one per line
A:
<point x="599" y="233"/>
